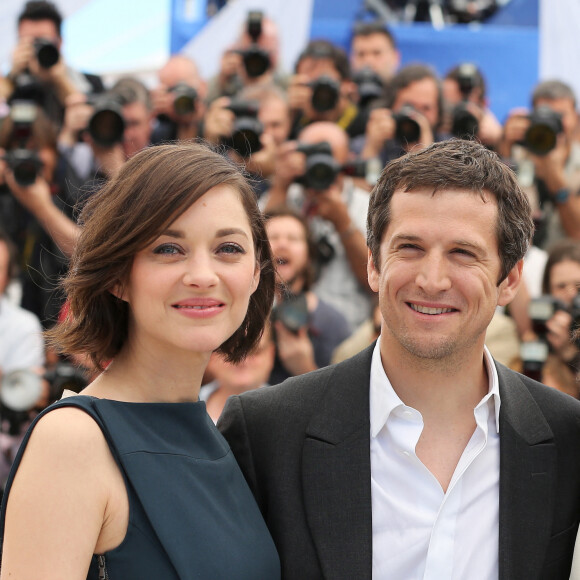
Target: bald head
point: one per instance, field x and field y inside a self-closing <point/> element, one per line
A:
<point x="179" y="69"/>
<point x="326" y="131"/>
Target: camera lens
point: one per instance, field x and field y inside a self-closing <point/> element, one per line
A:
<point x="542" y="134"/>
<point x="407" y="130"/>
<point x="46" y="53"/>
<point x="325" y="92"/>
<point x="185" y="99"/>
<point x="464" y="124"/>
<point x="256" y="62"/>
<point x="106" y="126"/>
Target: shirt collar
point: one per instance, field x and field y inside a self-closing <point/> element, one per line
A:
<point x="383" y="399"/>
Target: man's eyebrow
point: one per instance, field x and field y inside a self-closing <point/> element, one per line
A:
<point x="459" y="242"/>
<point x="224" y="232"/>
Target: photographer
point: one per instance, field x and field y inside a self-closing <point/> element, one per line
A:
<point x="178" y="101"/>
<point x="560" y="285"/>
<point x="321" y="88"/>
<point x="100" y="134"/>
<point x="335" y="210"/>
<point x="467" y="112"/>
<point x="36" y="206"/>
<point x="37" y="61"/>
<point x="252" y="60"/>
<point x="540" y="145"/>
<point x="373" y="46"/>
<point x="307" y="329"/>
<point x="411" y="116"/>
<point x="254" y="126"/>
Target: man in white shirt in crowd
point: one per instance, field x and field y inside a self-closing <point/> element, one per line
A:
<point x="422" y="457"/>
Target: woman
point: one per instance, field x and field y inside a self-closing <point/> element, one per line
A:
<point x="307" y="329"/>
<point x="131" y="479"/>
<point x="561" y="281"/>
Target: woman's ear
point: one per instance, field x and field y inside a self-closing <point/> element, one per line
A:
<point x="118" y="291"/>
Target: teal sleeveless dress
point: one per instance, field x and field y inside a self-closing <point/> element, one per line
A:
<point x="191" y="513"/>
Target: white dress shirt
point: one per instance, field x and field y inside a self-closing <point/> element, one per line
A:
<point x="420" y="532"/>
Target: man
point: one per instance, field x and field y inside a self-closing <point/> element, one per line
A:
<point x="415" y="102"/>
<point x="321" y="89"/>
<point x="374" y="46"/>
<point x="550" y="177"/>
<point x="421" y="457"/>
<point x="235" y="74"/>
<point x="464" y="93"/>
<point x="178" y="100"/>
<point x="52" y="81"/>
<point x="336" y="217"/>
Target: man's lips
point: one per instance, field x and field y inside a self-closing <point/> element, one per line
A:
<point x="431" y="310"/>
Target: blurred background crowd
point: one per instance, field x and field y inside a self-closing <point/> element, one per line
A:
<point x="313" y="138"/>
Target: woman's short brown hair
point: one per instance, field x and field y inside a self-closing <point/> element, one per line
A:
<point x="150" y="191"/>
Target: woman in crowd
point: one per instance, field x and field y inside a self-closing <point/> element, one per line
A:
<point x="562" y="281"/>
<point x="307" y="329"/>
<point x="131" y="479"/>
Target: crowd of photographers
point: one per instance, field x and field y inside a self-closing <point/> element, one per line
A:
<point x="313" y="141"/>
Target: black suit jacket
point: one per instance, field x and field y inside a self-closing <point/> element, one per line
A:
<point x="304" y="448"/>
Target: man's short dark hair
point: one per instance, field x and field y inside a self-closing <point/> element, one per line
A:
<point x="410" y="74"/>
<point x="373" y="27"/>
<point x="37" y="10"/>
<point x="553" y="90"/>
<point x="456" y="164"/>
<point x="324" y="49"/>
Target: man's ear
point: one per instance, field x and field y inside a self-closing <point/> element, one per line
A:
<point x="508" y="288"/>
<point x="372" y="273"/>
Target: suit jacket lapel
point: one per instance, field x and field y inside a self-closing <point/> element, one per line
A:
<point x="336" y="473"/>
<point x="527" y="479"/>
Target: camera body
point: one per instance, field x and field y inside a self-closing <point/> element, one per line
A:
<point x="407" y="129"/>
<point x="184" y="99"/>
<point x="247" y="129"/>
<point x="369" y="84"/>
<point x="292" y="312"/>
<point x="24" y="163"/>
<point x="325" y="93"/>
<point x="542" y="134"/>
<point x="542" y="309"/>
<point x="256" y="60"/>
<point x="321" y="167"/>
<point x="46" y="51"/>
<point x="106" y="125"/>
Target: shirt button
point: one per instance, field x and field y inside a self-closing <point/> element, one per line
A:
<point x="408" y="413"/>
<point x="405" y="453"/>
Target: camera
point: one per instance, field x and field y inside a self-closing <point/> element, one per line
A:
<point x="64" y="376"/>
<point x="184" y="99"/>
<point x="106" y="125"/>
<point x="370" y="86"/>
<point x="46" y="51"/>
<point x="369" y="169"/>
<point x="247" y="130"/>
<point x="292" y="312"/>
<point x="407" y="130"/>
<point x="542" y="134"/>
<point x="325" y="93"/>
<point x="24" y="163"/>
<point x="321" y="167"/>
<point x="464" y="124"/>
<point x="256" y="59"/>
<point x="543" y="308"/>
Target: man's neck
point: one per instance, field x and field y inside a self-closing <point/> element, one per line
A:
<point x="437" y="388"/>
